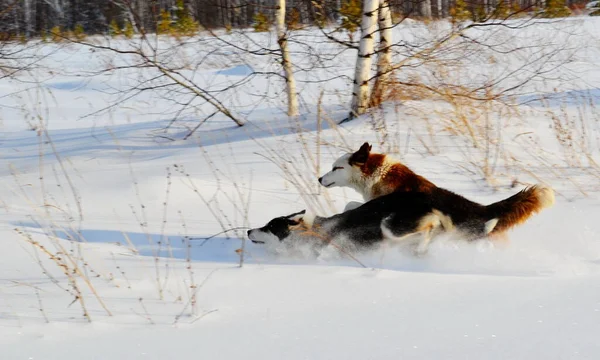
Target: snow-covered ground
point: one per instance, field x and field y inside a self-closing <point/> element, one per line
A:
<point x="127" y="207"/>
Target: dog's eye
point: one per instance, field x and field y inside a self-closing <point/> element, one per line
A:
<point x="336" y="168"/>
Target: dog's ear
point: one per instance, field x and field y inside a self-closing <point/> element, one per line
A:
<point x="296" y="218"/>
<point x="360" y="157"/>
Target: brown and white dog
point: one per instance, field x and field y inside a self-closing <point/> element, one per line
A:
<point x="375" y="175"/>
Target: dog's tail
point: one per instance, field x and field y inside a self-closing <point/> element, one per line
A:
<point x="519" y="207"/>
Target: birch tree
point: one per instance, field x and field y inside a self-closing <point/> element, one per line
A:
<point x="27" y="17"/>
<point x="445" y="4"/>
<point x="362" y="73"/>
<point x="426" y="9"/>
<point x="285" y="59"/>
<point x="384" y="57"/>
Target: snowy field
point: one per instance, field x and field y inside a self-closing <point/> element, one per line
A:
<point x="104" y="211"/>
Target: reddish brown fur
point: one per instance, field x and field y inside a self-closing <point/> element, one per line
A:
<point x="398" y="177"/>
<point x="374" y="161"/>
<point x="401" y="178"/>
<point x="521" y="205"/>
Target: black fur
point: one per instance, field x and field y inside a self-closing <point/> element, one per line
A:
<point x="468" y="216"/>
<point x="280" y="226"/>
<point x="363" y="224"/>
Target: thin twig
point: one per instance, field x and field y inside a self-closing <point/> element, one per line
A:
<point x="217" y="234"/>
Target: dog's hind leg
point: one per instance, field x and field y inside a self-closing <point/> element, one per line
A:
<point x="421" y="247"/>
<point x="424" y="244"/>
<point x="427" y="227"/>
<point x="490" y="225"/>
<point x="389" y="235"/>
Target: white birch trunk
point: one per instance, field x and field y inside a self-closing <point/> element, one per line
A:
<point x="56" y="6"/>
<point x="426" y="9"/>
<point x="362" y="73"/>
<point x="445" y="8"/>
<point x="439" y="9"/>
<point x="16" y="19"/>
<point x="141" y="18"/>
<point x="384" y="57"/>
<point x="236" y="13"/>
<point x="27" y="17"/>
<point x="285" y="59"/>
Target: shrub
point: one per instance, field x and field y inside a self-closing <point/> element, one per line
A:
<point x="351" y="13"/>
<point x="502" y="10"/>
<point x="56" y="34"/>
<point x="261" y="22"/>
<point x="480" y="15"/>
<point x="516" y="10"/>
<point x="78" y="32"/>
<point x="185" y="24"/>
<point x="293" y="19"/>
<point x="460" y="12"/>
<point x="129" y="30"/>
<point x="556" y="9"/>
<point x="114" y="29"/>
<point x="164" y="24"/>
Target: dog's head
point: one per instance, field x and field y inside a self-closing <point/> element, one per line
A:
<point x="278" y="229"/>
<point x="346" y="168"/>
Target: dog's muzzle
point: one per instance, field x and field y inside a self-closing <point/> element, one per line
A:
<point x="251" y="237"/>
<point x="321" y="182"/>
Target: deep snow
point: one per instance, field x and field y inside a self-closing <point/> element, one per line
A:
<point x="536" y="297"/>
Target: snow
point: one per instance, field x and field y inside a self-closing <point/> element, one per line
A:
<point x="123" y="197"/>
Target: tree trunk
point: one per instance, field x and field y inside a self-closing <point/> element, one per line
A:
<point x="285" y="59"/>
<point x="60" y="14"/>
<point x="445" y="8"/>
<point x="426" y="9"/>
<point x="384" y="56"/>
<point x="362" y="73"/>
<point x="27" y="18"/>
<point x="139" y="18"/>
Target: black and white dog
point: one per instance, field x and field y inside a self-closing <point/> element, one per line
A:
<point x="393" y="218"/>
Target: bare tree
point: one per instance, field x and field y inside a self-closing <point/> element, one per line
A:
<point x="426" y="9"/>
<point x="161" y="74"/>
<point x="170" y="72"/>
<point x="286" y="61"/>
<point x="362" y="73"/>
<point x="384" y="57"/>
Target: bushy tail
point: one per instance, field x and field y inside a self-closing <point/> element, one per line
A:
<point x="518" y="208"/>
